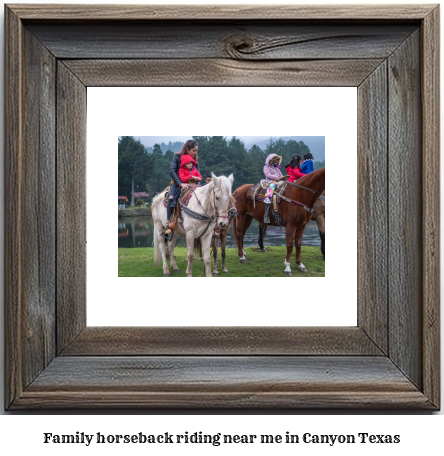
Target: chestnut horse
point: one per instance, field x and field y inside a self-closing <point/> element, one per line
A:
<point x="294" y="215"/>
<point x="318" y="216"/>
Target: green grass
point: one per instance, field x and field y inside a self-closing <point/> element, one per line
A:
<point x="139" y="262"/>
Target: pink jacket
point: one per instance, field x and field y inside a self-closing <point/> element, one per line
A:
<point x="272" y="173"/>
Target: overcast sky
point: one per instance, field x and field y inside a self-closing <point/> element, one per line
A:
<point x="149" y="141"/>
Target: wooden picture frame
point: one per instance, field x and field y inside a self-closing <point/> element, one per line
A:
<point x="390" y="360"/>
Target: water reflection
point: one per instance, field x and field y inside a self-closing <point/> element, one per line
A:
<point x="138" y="232"/>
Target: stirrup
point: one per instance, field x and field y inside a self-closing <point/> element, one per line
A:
<point x="166" y="235"/>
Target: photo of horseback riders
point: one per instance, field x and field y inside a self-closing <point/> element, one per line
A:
<point x="222" y="206"/>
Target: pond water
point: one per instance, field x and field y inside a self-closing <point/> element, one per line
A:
<point x="138" y="232"/>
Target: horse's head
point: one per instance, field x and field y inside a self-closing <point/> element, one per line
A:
<point x="222" y="198"/>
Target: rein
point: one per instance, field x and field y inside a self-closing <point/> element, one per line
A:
<point x="297" y="203"/>
<point x="306" y="188"/>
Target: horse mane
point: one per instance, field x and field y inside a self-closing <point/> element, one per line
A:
<point x="310" y="176"/>
<point x="157" y="196"/>
<point x="224" y="182"/>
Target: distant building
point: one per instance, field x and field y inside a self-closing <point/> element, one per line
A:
<point x="122" y="201"/>
<point x="141" y="195"/>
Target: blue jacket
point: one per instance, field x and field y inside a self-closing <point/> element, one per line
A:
<point x="307" y="167"/>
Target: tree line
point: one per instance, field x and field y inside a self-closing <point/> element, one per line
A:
<point x="143" y="169"/>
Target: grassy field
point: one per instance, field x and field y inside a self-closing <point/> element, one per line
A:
<point x="139" y="262"/>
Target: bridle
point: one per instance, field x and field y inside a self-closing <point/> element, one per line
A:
<point x="205" y="217"/>
<point x="217" y="215"/>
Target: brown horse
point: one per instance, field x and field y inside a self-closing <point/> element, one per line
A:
<point x="318" y="216"/>
<point x="294" y="215"/>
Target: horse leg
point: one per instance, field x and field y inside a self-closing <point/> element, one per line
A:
<point x="298" y="243"/>
<point x="247" y="222"/>
<point x="206" y="244"/>
<point x="223" y="243"/>
<point x="171" y="246"/>
<point x="290" y="231"/>
<point x="262" y="231"/>
<point x="199" y="245"/>
<point x="240" y="221"/>
<point x="190" y="253"/>
<point x="214" y="250"/>
<point x="161" y="246"/>
<point x="321" y="227"/>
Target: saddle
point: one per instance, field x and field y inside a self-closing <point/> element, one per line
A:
<point x="184" y="196"/>
<point x="258" y="192"/>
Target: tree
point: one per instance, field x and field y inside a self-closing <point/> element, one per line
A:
<point x="257" y="156"/>
<point x="159" y="176"/>
<point x="318" y="165"/>
<point x="295" y="147"/>
<point x="133" y="164"/>
<point x="238" y="162"/>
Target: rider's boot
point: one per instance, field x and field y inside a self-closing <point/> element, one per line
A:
<point x="172" y="217"/>
<point x="267" y="212"/>
<point x="171" y="223"/>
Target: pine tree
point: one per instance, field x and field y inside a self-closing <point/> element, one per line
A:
<point x="134" y="164"/>
<point x="258" y="157"/>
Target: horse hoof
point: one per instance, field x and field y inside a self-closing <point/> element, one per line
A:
<point x="262" y="250"/>
<point x="176" y="271"/>
<point x="225" y="271"/>
<point x="189" y="275"/>
<point x="167" y="274"/>
<point x="288" y="274"/>
<point x="303" y="270"/>
<point x="243" y="261"/>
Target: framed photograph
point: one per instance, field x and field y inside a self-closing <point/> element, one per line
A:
<point x="389" y="359"/>
<point x="327" y="116"/>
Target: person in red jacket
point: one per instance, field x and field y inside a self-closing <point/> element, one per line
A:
<point x="293" y="169"/>
<point x="188" y="174"/>
<point x="188" y="170"/>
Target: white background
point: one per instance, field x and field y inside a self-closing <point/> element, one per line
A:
<point x="240" y="111"/>
<point x="422" y="434"/>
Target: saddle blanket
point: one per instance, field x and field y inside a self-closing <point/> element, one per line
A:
<point x="258" y="192"/>
<point x="184" y="196"/>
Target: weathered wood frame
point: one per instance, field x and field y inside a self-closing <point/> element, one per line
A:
<point x="390" y="360"/>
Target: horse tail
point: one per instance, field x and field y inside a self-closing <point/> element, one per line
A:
<point x="197" y="247"/>
<point x="234" y="231"/>
<point x="157" y="254"/>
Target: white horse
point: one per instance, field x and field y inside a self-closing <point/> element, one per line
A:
<point x="208" y="207"/>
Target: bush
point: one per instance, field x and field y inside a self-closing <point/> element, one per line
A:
<point x="138" y="202"/>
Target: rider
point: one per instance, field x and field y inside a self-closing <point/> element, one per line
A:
<point x="188" y="172"/>
<point x="189" y="148"/>
<point x="307" y="166"/>
<point x="293" y="169"/>
<point x="272" y="174"/>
